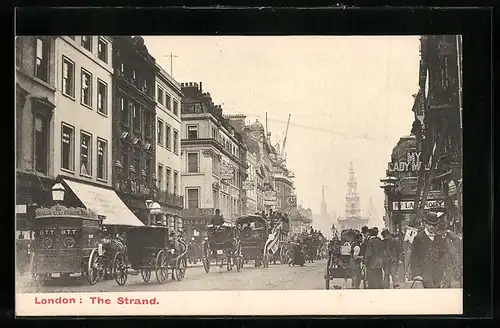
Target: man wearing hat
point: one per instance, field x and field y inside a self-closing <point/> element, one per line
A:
<point x="374" y="260"/>
<point x="427" y="252"/>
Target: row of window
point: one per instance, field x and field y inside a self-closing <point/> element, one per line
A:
<point x="164" y="181"/>
<point x="68" y="152"/>
<point x="42" y="51"/>
<point x="165" y="100"/>
<point x="87" y="42"/>
<point x="224" y="202"/>
<point x="86" y="86"/>
<point x="164" y="138"/>
<point x="42" y="56"/>
<point x="226" y="143"/>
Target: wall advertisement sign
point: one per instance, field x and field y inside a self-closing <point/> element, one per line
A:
<point x="409" y="205"/>
<point x="270" y="198"/>
<point x="226" y="171"/>
<point x="412" y="163"/>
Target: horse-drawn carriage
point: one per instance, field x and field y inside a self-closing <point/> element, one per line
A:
<point x="148" y="249"/>
<point x="253" y="235"/>
<point x="67" y="241"/>
<point x="338" y="263"/>
<point x="222" y="245"/>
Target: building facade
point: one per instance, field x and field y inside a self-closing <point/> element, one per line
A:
<point x="257" y="142"/>
<point x="134" y="117"/>
<point x="168" y="161"/>
<point x="352" y="218"/>
<point x="438" y="124"/>
<point x="250" y="185"/>
<point x="213" y="159"/>
<point x="83" y="119"/>
<point x="35" y="103"/>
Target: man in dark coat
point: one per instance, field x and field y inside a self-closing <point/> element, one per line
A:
<point x="427" y="252"/>
<point x="393" y="258"/>
<point x="217" y="219"/>
<point x="373" y="260"/>
<point x="364" y="240"/>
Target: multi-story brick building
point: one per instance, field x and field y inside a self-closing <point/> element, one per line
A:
<point x="168" y="158"/>
<point x="35" y="103"/>
<point x="134" y="116"/>
<point x="213" y="161"/>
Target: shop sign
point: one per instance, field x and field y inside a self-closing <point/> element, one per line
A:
<point x="195" y="222"/>
<point x="248" y="185"/>
<point x="409" y="205"/>
<point x="59" y="210"/>
<point x="412" y="163"/>
<point x="226" y="172"/>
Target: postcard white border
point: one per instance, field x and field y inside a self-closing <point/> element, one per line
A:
<point x="227" y="303"/>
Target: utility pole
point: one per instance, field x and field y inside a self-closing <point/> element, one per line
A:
<point x="172" y="56"/>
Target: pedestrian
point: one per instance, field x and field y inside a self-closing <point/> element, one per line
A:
<point x="373" y="260"/>
<point x="392" y="259"/>
<point x="427" y="253"/>
<point x="453" y="256"/>
<point x="365" y="236"/>
<point x="356" y="260"/>
<point x="217" y="219"/>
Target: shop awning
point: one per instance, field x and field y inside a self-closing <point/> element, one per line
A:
<point x="105" y="202"/>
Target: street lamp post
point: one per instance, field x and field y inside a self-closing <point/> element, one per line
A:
<point x="58" y="193"/>
<point x="389" y="184"/>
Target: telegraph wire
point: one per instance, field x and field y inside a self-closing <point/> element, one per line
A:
<point x="313" y="128"/>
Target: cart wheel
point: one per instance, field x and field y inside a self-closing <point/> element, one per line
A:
<point x="119" y="269"/>
<point x="179" y="272"/>
<point x="161" y="267"/>
<point x="229" y="265"/>
<point x="93" y="267"/>
<point x="146" y="275"/>
<point x="206" y="264"/>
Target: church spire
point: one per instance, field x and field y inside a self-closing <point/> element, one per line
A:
<point x="352" y="202"/>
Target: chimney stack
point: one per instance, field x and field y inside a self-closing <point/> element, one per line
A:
<point x="201" y="87"/>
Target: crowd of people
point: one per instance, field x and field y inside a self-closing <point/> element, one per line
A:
<point x="435" y="256"/>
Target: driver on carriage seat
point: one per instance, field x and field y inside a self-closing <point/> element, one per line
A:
<point x="217" y="220"/>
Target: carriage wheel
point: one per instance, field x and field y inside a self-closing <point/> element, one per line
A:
<point x="94" y="267"/>
<point x="146" y="275"/>
<point x="119" y="269"/>
<point x="179" y="272"/>
<point x="161" y="267"/>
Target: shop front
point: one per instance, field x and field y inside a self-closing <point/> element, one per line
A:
<point x="196" y="220"/>
<point x="100" y="199"/>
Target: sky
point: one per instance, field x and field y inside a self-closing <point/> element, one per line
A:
<point x="350" y="99"/>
